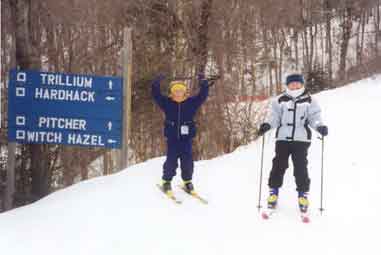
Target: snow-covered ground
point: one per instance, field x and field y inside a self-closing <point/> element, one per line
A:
<point x="126" y="214"/>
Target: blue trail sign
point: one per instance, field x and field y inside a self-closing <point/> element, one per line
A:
<point x="70" y="109"/>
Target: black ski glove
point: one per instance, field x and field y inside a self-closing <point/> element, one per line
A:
<point x="212" y="79"/>
<point x="264" y="128"/>
<point x="323" y="130"/>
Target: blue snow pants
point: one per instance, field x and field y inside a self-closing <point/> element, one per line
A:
<point x="178" y="149"/>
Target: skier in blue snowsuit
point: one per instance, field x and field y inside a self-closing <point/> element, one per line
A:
<point x="179" y="127"/>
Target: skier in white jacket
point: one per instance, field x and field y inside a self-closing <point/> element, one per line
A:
<point x="292" y="114"/>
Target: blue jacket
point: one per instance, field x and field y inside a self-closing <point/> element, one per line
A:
<point x="179" y="123"/>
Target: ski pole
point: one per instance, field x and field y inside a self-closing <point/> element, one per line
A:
<point x="260" y="176"/>
<point x="322" y="179"/>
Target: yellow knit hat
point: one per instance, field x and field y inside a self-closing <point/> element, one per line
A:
<point x="177" y="85"/>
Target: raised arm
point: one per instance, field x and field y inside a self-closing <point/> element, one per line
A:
<point x="202" y="95"/>
<point x="156" y="93"/>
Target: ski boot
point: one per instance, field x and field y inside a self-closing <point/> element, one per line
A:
<point x="272" y="200"/>
<point x="188" y="187"/>
<point x="303" y="201"/>
<point x="166" y="187"/>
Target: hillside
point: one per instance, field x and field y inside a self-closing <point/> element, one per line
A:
<point x="126" y="214"/>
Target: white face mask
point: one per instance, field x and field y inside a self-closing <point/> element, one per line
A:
<point x="296" y="92"/>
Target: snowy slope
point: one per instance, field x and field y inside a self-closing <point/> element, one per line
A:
<point x="125" y="214"/>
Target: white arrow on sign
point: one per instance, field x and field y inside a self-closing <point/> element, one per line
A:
<point x="110" y="84"/>
<point x="111" y="141"/>
<point x="109" y="125"/>
<point x="110" y="98"/>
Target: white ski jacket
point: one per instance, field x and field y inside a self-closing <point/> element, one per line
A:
<point x="293" y="117"/>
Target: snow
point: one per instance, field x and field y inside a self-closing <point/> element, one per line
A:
<point x="126" y="214"/>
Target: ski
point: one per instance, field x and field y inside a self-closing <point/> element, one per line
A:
<point x="269" y="213"/>
<point x="169" y="195"/>
<point x="304" y="217"/>
<point x="195" y="195"/>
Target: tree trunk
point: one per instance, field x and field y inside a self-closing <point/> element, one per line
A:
<point x="20" y="10"/>
<point x="26" y="59"/>
<point x="329" y="40"/>
<point x="346" y="34"/>
<point x="362" y="37"/>
<point x="296" y="48"/>
<point x="377" y="28"/>
<point x="202" y="59"/>
<point x="202" y="49"/>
